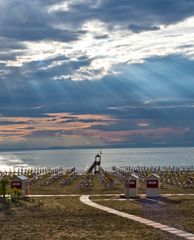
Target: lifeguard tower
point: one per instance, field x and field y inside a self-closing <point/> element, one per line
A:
<point x="95" y="165"/>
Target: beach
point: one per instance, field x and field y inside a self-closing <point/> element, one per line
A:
<point x="53" y="210"/>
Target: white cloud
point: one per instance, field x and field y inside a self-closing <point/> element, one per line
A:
<point x="121" y="46"/>
<point x="143" y="125"/>
<point x="56" y="7"/>
<point x="66" y="5"/>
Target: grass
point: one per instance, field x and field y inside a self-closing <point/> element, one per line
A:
<point x="74" y="188"/>
<point x="174" y="211"/>
<point x="67" y="218"/>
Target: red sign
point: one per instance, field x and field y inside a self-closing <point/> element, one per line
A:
<point x="152" y="184"/>
<point x="132" y="183"/>
<point x="17" y="185"/>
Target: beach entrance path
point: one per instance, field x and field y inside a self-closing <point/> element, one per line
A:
<point x="85" y="199"/>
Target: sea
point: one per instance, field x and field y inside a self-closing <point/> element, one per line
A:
<point x="83" y="158"/>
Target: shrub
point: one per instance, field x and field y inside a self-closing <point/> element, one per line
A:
<point x="15" y="194"/>
<point x="3" y="186"/>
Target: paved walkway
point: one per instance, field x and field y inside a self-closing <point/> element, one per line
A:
<point x="85" y="199"/>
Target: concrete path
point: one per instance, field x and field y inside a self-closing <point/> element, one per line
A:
<point x="85" y="199"/>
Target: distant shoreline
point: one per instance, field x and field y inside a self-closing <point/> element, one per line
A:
<point x="85" y="148"/>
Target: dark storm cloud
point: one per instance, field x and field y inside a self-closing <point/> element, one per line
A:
<point x="161" y="11"/>
<point x="141" y="28"/>
<point x="30" y="21"/>
<point x="10" y="49"/>
<point x="8" y="44"/>
<point x="125" y="12"/>
<point x="38" y="32"/>
<point x="156" y="112"/>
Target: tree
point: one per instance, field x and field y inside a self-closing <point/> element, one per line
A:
<point x="3" y="186"/>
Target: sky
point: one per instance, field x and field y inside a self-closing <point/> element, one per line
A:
<point x="103" y="73"/>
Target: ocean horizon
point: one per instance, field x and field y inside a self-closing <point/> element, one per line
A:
<point x="83" y="158"/>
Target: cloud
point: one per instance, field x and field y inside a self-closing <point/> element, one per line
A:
<point x="138" y="28"/>
<point x="94" y="58"/>
<point x="138" y="54"/>
<point x="35" y="33"/>
<point x="142" y="124"/>
<point x="30" y="21"/>
<point x="125" y="11"/>
<point x="22" y="129"/>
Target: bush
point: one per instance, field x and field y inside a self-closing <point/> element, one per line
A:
<point x="15" y="194"/>
<point x="3" y="186"/>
